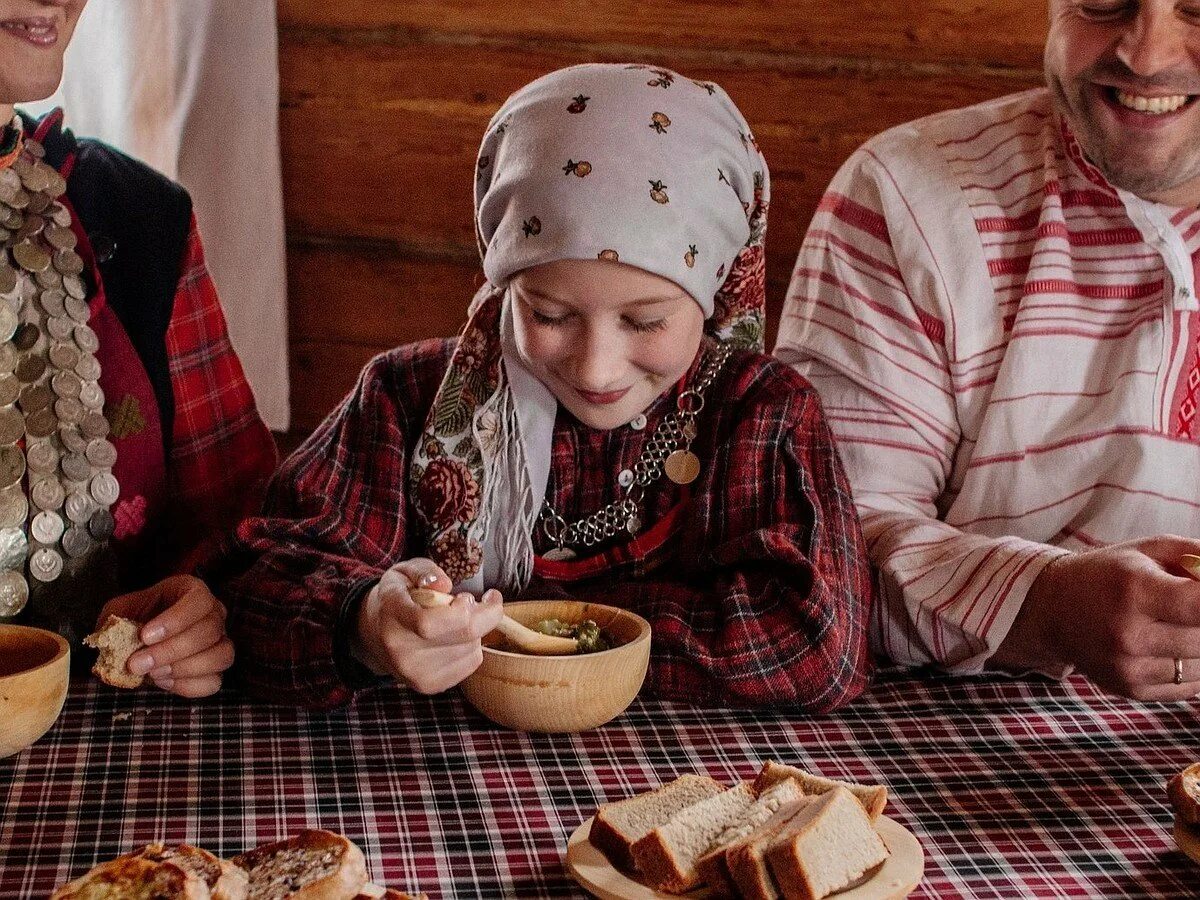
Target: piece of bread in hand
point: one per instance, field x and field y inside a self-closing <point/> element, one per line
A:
<point x="619" y="825"/>
<point x="313" y="865"/>
<point x="666" y="856"/>
<point x="827" y="845"/>
<point x="711" y="866"/>
<point x="873" y="797"/>
<point x="1184" y="793"/>
<point x="117" y="640"/>
<point x="135" y="878"/>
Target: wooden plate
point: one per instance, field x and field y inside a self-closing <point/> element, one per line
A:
<point x="894" y="878"/>
<point x="1188" y="839"/>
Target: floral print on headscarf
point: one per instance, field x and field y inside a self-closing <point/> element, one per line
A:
<point x="626" y="163"/>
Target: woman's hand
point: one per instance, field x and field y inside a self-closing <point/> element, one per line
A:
<point x="429" y="649"/>
<point x="184" y="630"/>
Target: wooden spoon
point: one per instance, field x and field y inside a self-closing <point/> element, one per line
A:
<point x="1191" y="562"/>
<point x="520" y="636"/>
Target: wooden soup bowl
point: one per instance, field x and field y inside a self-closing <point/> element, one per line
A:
<point x="34" y="669"/>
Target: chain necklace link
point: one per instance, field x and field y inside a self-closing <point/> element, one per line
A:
<point x="675" y="432"/>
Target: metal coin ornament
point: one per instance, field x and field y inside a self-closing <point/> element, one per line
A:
<point x="560" y="554"/>
<point x="53" y="436"/>
<point x="682" y="466"/>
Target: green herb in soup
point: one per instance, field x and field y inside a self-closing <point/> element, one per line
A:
<point x="591" y="639"/>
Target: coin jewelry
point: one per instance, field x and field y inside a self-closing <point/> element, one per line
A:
<point x="56" y="481"/>
<point x="668" y="451"/>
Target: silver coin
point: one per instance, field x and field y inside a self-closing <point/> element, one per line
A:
<point x="48" y="280"/>
<point x="13" y="507"/>
<point x="10" y="389"/>
<point x="60" y="238"/>
<point x="101" y="525"/>
<point x="102" y="454"/>
<point x="68" y="262"/>
<point x="47" y="527"/>
<point x="94" y="425"/>
<point x="12" y="466"/>
<point x="35" y="397"/>
<point x="42" y="457"/>
<point x="34" y="177"/>
<point x="69" y="411"/>
<point x="5" y="234"/>
<point x="14" y="546"/>
<point x="53" y="301"/>
<point x="10" y="183"/>
<point x="74" y="286"/>
<point x="39" y="203"/>
<point x="12" y="426"/>
<point x="64" y="356"/>
<point x="58" y="185"/>
<point x="8" y="322"/>
<point x="32" y="226"/>
<point x="61" y="328"/>
<point x="20" y="200"/>
<point x="86" y="339"/>
<point x="47" y="493"/>
<point x="105" y="489"/>
<point x="25" y="336"/>
<point x="80" y="507"/>
<point x="78" y="310"/>
<point x="72" y="438"/>
<point x="76" y="467"/>
<point x="91" y="396"/>
<point x="34" y="148"/>
<point x="77" y="542"/>
<point x="45" y="564"/>
<point x="88" y="367"/>
<point x="8" y="358"/>
<point x="66" y="384"/>
<point x="58" y="214"/>
<point x="41" y="423"/>
<point x="8" y="278"/>
<point x="31" y="257"/>
<point x="14" y="593"/>
<point x="31" y="367"/>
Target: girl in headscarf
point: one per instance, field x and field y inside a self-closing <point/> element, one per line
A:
<point x="605" y="427"/>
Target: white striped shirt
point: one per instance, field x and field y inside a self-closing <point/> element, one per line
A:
<point x="1006" y="347"/>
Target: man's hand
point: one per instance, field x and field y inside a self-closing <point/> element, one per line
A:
<point x="1121" y="615"/>
<point x="184" y="628"/>
<point x="431" y="650"/>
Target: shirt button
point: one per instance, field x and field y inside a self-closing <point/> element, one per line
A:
<point x="1184" y="293"/>
<point x="638" y="422"/>
<point x="625" y="479"/>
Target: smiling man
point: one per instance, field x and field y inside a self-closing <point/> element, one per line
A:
<point x="998" y="306"/>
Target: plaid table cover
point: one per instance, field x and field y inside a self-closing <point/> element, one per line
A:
<point x="1014" y="788"/>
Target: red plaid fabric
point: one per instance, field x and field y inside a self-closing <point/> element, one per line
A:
<point x="1015" y="789"/>
<point x="759" y="596"/>
<point x="222" y="454"/>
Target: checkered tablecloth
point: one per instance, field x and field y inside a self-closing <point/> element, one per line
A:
<point x="1014" y="788"/>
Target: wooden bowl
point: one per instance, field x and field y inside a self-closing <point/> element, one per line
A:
<point x="34" y="669"/>
<point x="562" y="693"/>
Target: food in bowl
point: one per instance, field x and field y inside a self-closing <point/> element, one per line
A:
<point x="590" y="637"/>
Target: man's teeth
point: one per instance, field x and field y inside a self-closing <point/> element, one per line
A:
<point x="1156" y="106"/>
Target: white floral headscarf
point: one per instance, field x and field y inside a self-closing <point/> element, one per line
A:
<point x="622" y="162"/>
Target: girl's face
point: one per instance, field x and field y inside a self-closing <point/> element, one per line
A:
<point x="607" y="339"/>
<point x="33" y="36"/>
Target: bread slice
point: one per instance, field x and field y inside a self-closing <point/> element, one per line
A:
<point x="826" y="846"/>
<point x="711" y="866"/>
<point x="1184" y="793"/>
<point x="873" y="797"/>
<point x="117" y="639"/>
<point x="313" y="865"/>
<point x="666" y="856"/>
<point x="135" y="878"/>
<point x="746" y="860"/>
<point x="618" y="826"/>
<point x="375" y="892"/>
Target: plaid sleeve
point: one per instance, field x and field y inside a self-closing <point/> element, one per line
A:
<point x="222" y="453"/>
<point x="335" y="518"/>
<point x="770" y="599"/>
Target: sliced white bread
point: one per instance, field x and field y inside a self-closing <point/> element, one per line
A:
<point x="313" y="865"/>
<point x="828" y="845"/>
<point x="873" y="797"/>
<point x="666" y="856"/>
<point x="135" y="878"/>
<point x="745" y="861"/>
<point x="711" y="866"/>
<point x="618" y="826"/>
<point x="1184" y="793"/>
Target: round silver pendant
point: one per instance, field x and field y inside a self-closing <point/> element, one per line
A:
<point x="560" y="554"/>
